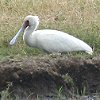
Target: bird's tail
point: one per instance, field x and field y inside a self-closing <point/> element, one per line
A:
<point x="90" y="51"/>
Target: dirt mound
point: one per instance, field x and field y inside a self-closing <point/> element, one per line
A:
<point x="46" y="75"/>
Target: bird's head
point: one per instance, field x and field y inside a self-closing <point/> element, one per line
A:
<point x="29" y="21"/>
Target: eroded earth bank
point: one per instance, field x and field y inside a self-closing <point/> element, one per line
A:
<point x="49" y="77"/>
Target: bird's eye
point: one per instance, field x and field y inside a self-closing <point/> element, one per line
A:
<point x="26" y="23"/>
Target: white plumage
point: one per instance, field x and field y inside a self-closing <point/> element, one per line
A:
<point x="49" y="40"/>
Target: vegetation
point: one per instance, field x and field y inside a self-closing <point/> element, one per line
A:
<point x="81" y="18"/>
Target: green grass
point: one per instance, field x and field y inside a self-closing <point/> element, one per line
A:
<point x="6" y="95"/>
<point x="80" y="18"/>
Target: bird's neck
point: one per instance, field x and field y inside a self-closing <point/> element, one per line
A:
<point x="27" y="37"/>
<point x="28" y="31"/>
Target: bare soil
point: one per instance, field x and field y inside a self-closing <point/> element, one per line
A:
<point x="46" y="76"/>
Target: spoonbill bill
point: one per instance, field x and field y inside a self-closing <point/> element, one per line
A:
<point x="52" y="41"/>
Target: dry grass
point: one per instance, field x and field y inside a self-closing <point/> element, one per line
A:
<point x="80" y="18"/>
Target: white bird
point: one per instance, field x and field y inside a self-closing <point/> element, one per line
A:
<point x="52" y="41"/>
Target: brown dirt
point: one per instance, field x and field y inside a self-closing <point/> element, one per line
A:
<point x="46" y="75"/>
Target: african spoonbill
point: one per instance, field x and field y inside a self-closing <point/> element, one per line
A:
<point x="52" y="41"/>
